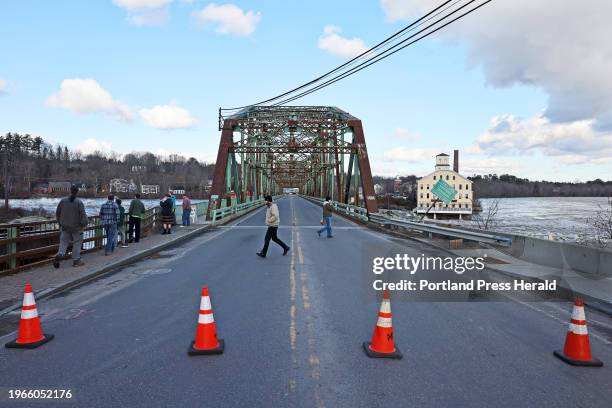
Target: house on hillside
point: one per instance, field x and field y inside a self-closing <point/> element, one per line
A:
<point x="149" y="189"/>
<point x="122" y="186"/>
<point x="59" y="187"/>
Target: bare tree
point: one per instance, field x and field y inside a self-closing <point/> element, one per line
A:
<point x="487" y="218"/>
<point x="602" y="224"/>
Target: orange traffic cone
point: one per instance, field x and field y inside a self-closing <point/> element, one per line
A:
<point x="382" y="345"/>
<point x="577" y="350"/>
<point x="206" y="341"/>
<point x="30" y="332"/>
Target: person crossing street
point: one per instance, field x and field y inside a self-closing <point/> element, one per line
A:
<point x="272" y="221"/>
<point x="328" y="209"/>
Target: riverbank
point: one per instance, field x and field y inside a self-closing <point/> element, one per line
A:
<point x="8" y="215"/>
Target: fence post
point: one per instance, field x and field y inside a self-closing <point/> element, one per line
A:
<point x="11" y="249"/>
<point x="98" y="233"/>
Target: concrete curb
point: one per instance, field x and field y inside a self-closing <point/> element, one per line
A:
<point x="71" y="284"/>
<point x="595" y="303"/>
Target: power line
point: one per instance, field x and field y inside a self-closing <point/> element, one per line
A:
<point x="348" y="62"/>
<point x="388" y="52"/>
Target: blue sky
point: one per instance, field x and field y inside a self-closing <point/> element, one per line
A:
<point x="149" y="75"/>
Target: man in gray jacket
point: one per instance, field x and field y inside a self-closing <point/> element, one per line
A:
<point x="72" y="219"/>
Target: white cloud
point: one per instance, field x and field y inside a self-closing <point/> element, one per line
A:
<point x="202" y="157"/>
<point x="573" y="143"/>
<point x="87" y="96"/>
<point x="167" y="117"/>
<point x="332" y="42"/>
<point x="404" y="134"/>
<point x="91" y="145"/>
<point x="229" y="19"/>
<point x="145" y="12"/>
<point x="135" y="5"/>
<point x="489" y="165"/>
<point x="566" y="54"/>
<point x="410" y="155"/>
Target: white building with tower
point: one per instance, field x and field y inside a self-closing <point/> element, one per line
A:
<point x="462" y="203"/>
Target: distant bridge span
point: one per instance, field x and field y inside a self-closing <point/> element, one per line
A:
<point x="319" y="149"/>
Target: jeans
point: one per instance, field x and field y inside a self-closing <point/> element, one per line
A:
<point x="120" y="237"/>
<point x="271" y="235"/>
<point x="134" y="226"/>
<point x="111" y="235"/>
<point x="327" y="226"/>
<point x="186" y="216"/>
<point x="76" y="238"/>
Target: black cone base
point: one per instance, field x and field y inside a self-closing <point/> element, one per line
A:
<point x="14" y="344"/>
<point x="588" y="363"/>
<point x="218" y="350"/>
<point x="375" y="354"/>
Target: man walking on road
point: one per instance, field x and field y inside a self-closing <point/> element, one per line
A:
<point x="71" y="218"/>
<point x="272" y="221"/>
<point x="135" y="212"/>
<point x="109" y="214"/>
<point x="328" y="209"/>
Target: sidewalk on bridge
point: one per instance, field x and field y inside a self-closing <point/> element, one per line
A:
<point x="597" y="292"/>
<point x="46" y="280"/>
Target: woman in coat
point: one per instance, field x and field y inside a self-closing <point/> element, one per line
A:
<point x="167" y="215"/>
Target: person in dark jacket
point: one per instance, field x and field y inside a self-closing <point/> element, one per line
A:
<point x="167" y="214"/>
<point x="71" y="218"/>
<point x="136" y="213"/>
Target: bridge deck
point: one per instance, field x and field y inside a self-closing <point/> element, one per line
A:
<point x="293" y="328"/>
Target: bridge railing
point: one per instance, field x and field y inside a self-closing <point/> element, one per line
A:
<point x="439" y="230"/>
<point x="23" y="245"/>
<point x="222" y="214"/>
<point x="349" y="210"/>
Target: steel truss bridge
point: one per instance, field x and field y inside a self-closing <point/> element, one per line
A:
<point x="319" y="149"/>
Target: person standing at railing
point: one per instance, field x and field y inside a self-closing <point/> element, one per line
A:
<point x="71" y="218"/>
<point x="328" y="209"/>
<point x="186" y="210"/>
<point x="167" y="214"/>
<point x="121" y="225"/>
<point x="109" y="214"/>
<point x="272" y="221"/>
<point x="136" y="213"/>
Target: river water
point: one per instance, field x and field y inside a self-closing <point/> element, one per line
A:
<point x="563" y="217"/>
<point x="92" y="205"/>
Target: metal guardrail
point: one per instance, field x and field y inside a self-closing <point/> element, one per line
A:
<point x="349" y="210"/>
<point x="445" y="231"/>
<point x="225" y="212"/>
<point x="24" y="245"/>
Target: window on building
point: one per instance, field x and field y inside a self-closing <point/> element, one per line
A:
<point x="434" y="177"/>
<point x="460" y="186"/>
<point x="421" y="186"/>
<point x="428" y="186"/>
<point x="427" y="195"/>
<point x="453" y="205"/>
<point x="421" y="195"/>
<point x="466" y="186"/>
<point x="453" y="177"/>
<point x="447" y="176"/>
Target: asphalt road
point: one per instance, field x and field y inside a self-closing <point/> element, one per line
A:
<point x="293" y="328"/>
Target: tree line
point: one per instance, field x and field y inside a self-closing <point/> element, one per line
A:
<point x="29" y="162"/>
